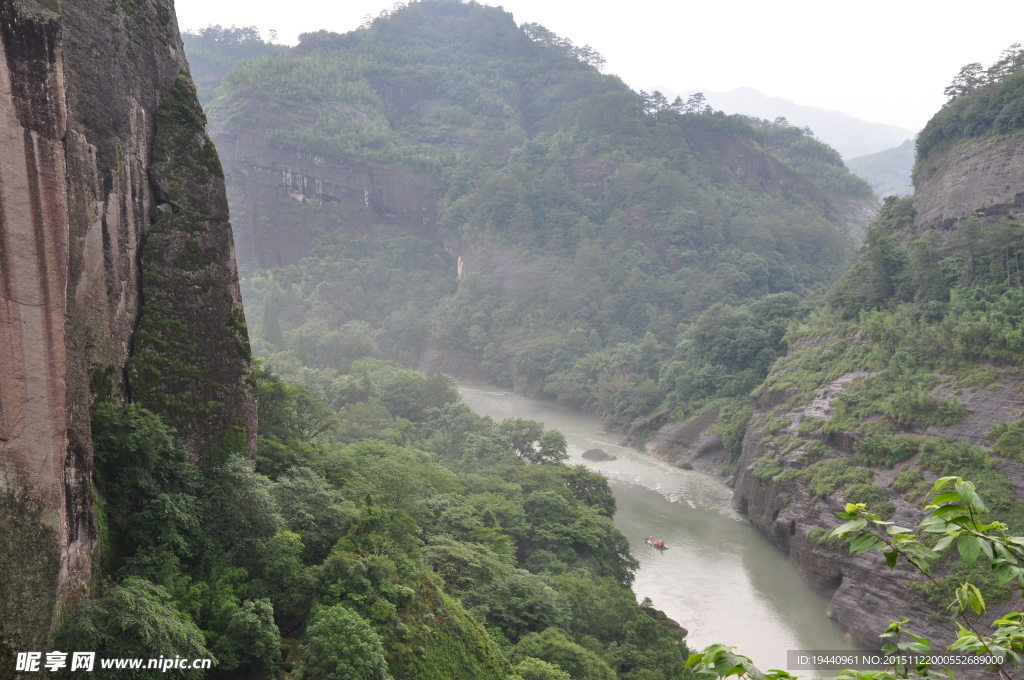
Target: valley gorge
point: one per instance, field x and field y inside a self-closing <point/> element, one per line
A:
<point x="285" y="348"/>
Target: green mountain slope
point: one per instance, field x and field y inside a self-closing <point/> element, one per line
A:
<point x="911" y="371"/>
<point x="887" y="171"/>
<point x="213" y="50"/>
<point x="463" y="194"/>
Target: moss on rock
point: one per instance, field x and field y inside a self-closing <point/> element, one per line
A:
<point x="191" y="360"/>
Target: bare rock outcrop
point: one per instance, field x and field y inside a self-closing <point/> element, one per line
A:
<point x="691" y="443"/>
<point x="865" y="596"/>
<point x="975" y="177"/>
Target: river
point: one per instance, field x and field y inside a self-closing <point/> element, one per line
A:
<point x="721" y="579"/>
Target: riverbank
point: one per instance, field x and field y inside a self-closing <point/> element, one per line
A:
<point x="720" y="579"/>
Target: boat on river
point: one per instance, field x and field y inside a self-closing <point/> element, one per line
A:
<point x="658" y="545"/>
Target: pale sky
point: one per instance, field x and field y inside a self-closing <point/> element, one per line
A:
<point x="885" y="61"/>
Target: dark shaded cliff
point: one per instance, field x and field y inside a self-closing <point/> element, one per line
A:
<point x="82" y="88"/>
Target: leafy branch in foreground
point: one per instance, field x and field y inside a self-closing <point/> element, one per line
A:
<point x="956" y="518"/>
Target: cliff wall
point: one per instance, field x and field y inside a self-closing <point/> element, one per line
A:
<point x="865" y="596"/>
<point x="983" y="177"/>
<point x="282" y="197"/>
<point x="82" y="86"/>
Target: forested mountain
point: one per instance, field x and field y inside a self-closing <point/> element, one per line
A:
<point x="445" y="188"/>
<point x="848" y="135"/>
<point x="213" y="50"/>
<point x="887" y="171"/>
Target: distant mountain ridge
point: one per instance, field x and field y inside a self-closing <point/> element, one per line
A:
<point x="846" y="134"/>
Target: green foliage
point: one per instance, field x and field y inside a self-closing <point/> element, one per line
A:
<point x="531" y="442"/>
<point x="982" y="102"/>
<point x="732" y="427"/>
<point x="378" y="528"/>
<point x="1009" y="440"/>
<point x="251" y="638"/>
<point x="872" y="496"/>
<point x="877" y="446"/>
<point x="133" y="620"/>
<point x="887" y="171"/>
<point x="213" y="50"/>
<point x="816" y="449"/>
<point x="147" y="484"/>
<point x="535" y="669"/>
<point x="766" y="467"/>
<point x="553" y="647"/>
<point x="907" y="480"/>
<point x="826" y="477"/>
<point x="811" y="158"/>
<point x="620" y="230"/>
<point x="340" y="645"/>
<point x="809" y="426"/>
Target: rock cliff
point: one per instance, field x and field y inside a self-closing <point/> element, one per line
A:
<point x="865" y="595"/>
<point x="980" y="176"/>
<point x="87" y="93"/>
<point x="283" y="196"/>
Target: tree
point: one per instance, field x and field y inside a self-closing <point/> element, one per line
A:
<point x="341" y="645"/>
<point x="553" y="647"/>
<point x="696" y="103"/>
<point x="1010" y="61"/>
<point x="971" y="77"/>
<point x="312" y="509"/>
<point x="535" y="669"/>
<point x="134" y="620"/>
<point x="532" y="442"/>
<point x="251" y="638"/>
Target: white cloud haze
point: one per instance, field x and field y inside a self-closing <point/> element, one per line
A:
<point x="885" y="61"/>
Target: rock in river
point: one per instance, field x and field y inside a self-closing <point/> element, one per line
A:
<point x="597" y="454"/>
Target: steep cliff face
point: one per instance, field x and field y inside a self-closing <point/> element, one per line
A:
<point x="981" y="177"/>
<point x="865" y="596"/>
<point x="283" y="196"/>
<point x="81" y="86"/>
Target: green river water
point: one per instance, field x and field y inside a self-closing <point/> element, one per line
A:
<point x="721" y="579"/>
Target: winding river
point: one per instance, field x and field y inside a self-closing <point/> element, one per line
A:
<point x="721" y="579"/>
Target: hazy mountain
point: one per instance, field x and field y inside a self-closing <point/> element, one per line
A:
<point x="848" y="135"/>
<point x="887" y="171"/>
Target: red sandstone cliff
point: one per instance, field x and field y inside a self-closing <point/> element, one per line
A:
<point x="83" y="86"/>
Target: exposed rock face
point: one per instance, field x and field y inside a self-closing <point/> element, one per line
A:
<point x="691" y="443"/>
<point x="81" y="85"/>
<point x="983" y="177"/>
<point x="865" y="595"/>
<point x="281" y="197"/>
